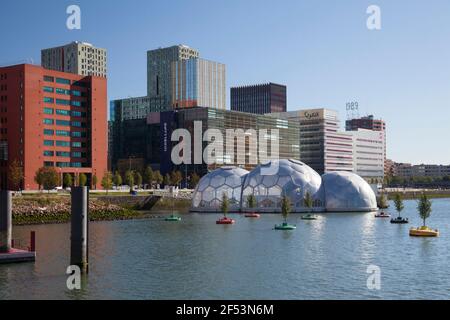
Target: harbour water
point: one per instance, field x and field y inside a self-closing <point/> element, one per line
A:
<point x="197" y="259"/>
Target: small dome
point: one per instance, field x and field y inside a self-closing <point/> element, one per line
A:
<point x="346" y="191"/>
<point x="268" y="182"/>
<point x="208" y="194"/>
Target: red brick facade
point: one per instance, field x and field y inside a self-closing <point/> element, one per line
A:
<point x="51" y="118"/>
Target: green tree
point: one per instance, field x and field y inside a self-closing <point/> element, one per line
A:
<point x="67" y="180"/>
<point x="158" y="177"/>
<point x="94" y="182"/>
<point x="167" y="180"/>
<point x="225" y="204"/>
<point x="285" y="207"/>
<point x="149" y="177"/>
<point x="50" y="178"/>
<point x="129" y="179"/>
<point x="424" y="208"/>
<point x="82" y="180"/>
<point x="39" y="177"/>
<point x="138" y="179"/>
<point x="194" y="180"/>
<point x="117" y="179"/>
<point x="107" y="181"/>
<point x="176" y="177"/>
<point x="383" y="201"/>
<point x="398" y="202"/>
<point x="308" y="201"/>
<point x="251" y="201"/>
<point x="15" y="175"/>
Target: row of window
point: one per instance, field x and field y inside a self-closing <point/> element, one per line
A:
<point x="75" y="93"/>
<point x="60" y="143"/>
<point x="64" y="133"/>
<point x="64" y="102"/>
<point x="65" y="154"/>
<point x="64" y="164"/>
<point x="65" y="123"/>
<point x="66" y="81"/>
<point x="64" y="112"/>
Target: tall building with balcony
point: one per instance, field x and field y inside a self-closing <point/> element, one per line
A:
<point x="77" y="57"/>
<point x="198" y="82"/>
<point x="51" y="119"/>
<point x="159" y="68"/>
<point x="260" y="98"/>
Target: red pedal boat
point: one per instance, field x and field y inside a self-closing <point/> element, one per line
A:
<point x="252" y="215"/>
<point x="225" y="221"/>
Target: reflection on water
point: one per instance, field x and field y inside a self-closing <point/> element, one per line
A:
<point x="197" y="259"/>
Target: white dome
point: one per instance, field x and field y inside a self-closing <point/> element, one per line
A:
<point x="346" y="191"/>
<point x="290" y="177"/>
<point x="208" y="194"/>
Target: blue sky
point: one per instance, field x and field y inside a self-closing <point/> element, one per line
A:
<point x="321" y="49"/>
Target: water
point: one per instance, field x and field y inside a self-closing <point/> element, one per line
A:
<point x="197" y="259"/>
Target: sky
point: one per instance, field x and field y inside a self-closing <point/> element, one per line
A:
<point x="321" y="49"/>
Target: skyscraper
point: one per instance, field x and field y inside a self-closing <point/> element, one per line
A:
<point x="77" y="57"/>
<point x="159" y="64"/>
<point x="259" y="99"/>
<point x="198" y="82"/>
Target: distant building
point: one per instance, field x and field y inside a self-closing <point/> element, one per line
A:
<point x="77" y="57"/>
<point x="198" y="82"/>
<point x="52" y="119"/>
<point x="259" y="99"/>
<point x="159" y="68"/>
<point x="322" y="146"/>
<point x="407" y="170"/>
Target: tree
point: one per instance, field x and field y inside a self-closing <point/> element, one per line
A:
<point x="167" y="180"/>
<point x="67" y="180"/>
<point x="308" y="201"/>
<point x="82" y="180"/>
<point x="15" y="174"/>
<point x="148" y="177"/>
<point x="38" y="177"/>
<point x="424" y="208"/>
<point x="285" y="207"/>
<point x="117" y="179"/>
<point x="129" y="179"/>
<point x="138" y="179"/>
<point x="176" y="177"/>
<point x="94" y="181"/>
<point x="50" y="178"/>
<point x="194" y="180"/>
<point x="383" y="201"/>
<point x="225" y="204"/>
<point x="251" y="201"/>
<point x="158" y="177"/>
<point x="107" y="181"/>
<point x="398" y="201"/>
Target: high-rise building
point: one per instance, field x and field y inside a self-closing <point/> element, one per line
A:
<point x="54" y="119"/>
<point x="159" y="68"/>
<point x="322" y="146"/>
<point x="259" y="99"/>
<point x="368" y="154"/>
<point x="198" y="82"/>
<point x="77" y="57"/>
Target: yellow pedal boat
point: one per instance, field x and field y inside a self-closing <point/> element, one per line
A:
<point x="423" y="232"/>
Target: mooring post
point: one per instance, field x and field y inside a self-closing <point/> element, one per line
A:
<point x="79" y="228"/>
<point x="32" y="241"/>
<point x="5" y="221"/>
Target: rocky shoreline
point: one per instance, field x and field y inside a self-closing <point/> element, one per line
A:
<point x="46" y="209"/>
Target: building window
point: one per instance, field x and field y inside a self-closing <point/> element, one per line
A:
<point x="63" y="102"/>
<point x="62" y="91"/>
<point x="76" y="93"/>
<point x="48" y="110"/>
<point x="49" y="164"/>
<point x="48" y="121"/>
<point x="48" y="89"/>
<point x="63" y="154"/>
<point x="62" y="123"/>
<point x="48" y="132"/>
<point x="49" y="79"/>
<point x="63" y="133"/>
<point x="48" y="100"/>
<point x="62" y="112"/>
<point x="48" y="153"/>
<point x="76" y="103"/>
<point x="48" y="143"/>
<point x="63" y="81"/>
<point x="60" y="143"/>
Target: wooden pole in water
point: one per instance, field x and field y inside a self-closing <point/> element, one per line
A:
<point x="5" y="221"/>
<point x="79" y="249"/>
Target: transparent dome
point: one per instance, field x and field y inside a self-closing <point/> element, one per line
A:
<point x="293" y="178"/>
<point x="346" y="191"/>
<point x="208" y="194"/>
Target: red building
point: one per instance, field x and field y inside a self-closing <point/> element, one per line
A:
<point x="52" y="118"/>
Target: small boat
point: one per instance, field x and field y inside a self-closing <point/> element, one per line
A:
<point x="285" y="226"/>
<point x="400" y="220"/>
<point x="173" y="218"/>
<point x="382" y="214"/>
<point x="252" y="215"/>
<point x="225" y="220"/>
<point x="309" y="217"/>
<point x="423" y="232"/>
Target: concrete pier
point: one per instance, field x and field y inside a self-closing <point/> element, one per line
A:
<point x="79" y="250"/>
<point x="8" y="254"/>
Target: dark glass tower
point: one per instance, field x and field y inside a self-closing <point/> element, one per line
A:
<point x="259" y="99"/>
